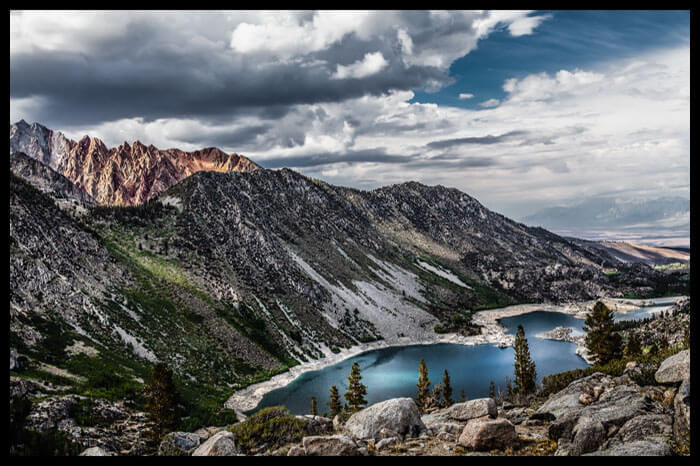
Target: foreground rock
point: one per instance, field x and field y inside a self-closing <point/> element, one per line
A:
<point x="96" y="451"/>
<point x="681" y="415"/>
<point x="488" y="434"/>
<point x="674" y="369"/>
<point x="220" y="444"/>
<point x="596" y="414"/>
<point x="179" y="444"/>
<point x="399" y="415"/>
<point x="472" y="409"/>
<point x="333" y="445"/>
<point x="639" y="448"/>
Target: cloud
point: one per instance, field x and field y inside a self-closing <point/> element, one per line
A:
<point x="181" y="80"/>
<point x="371" y="64"/>
<point x="465" y="96"/>
<point x="490" y="103"/>
<point x="87" y="67"/>
<point x="483" y="140"/>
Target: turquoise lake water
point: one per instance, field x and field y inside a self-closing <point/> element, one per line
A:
<point x="393" y="372"/>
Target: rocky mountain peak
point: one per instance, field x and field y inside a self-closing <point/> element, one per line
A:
<point x="123" y="175"/>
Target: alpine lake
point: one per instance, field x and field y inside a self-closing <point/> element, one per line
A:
<point x="393" y="372"/>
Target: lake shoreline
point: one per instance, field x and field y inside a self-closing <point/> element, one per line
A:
<point x="493" y="332"/>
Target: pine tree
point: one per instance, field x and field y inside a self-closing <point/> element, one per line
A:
<point x="509" y="389"/>
<point x="162" y="402"/>
<point x="334" y="402"/>
<point x="602" y="341"/>
<point x="447" y="389"/>
<point x="492" y="390"/>
<point x="423" y="386"/>
<point x="462" y="396"/>
<point x="524" y="367"/>
<point x="633" y="346"/>
<point x="314" y="411"/>
<point x="355" y="395"/>
<point x="435" y="399"/>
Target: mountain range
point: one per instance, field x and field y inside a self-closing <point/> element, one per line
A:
<point x="230" y="273"/>
<point x="129" y="174"/>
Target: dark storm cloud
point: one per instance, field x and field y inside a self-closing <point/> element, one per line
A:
<point x="378" y="155"/>
<point x="176" y="83"/>
<point x="479" y="140"/>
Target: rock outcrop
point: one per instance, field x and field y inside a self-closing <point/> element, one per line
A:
<point x="488" y="434"/>
<point x="179" y="444"/>
<point x="675" y="369"/>
<point x="332" y="445"/>
<point x="220" y="444"/>
<point x="399" y="415"/>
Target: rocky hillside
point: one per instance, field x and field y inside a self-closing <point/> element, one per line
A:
<point x="48" y="181"/>
<point x="232" y="277"/>
<point x="126" y="175"/>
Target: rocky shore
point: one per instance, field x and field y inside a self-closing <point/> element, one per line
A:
<point x="594" y="415"/>
<point x="492" y="332"/>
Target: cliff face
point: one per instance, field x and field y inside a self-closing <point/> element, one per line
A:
<point x="126" y="175"/>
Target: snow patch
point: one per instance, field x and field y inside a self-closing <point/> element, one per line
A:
<point x="447" y="275"/>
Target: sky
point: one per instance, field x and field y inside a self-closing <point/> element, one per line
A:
<point x="524" y="110"/>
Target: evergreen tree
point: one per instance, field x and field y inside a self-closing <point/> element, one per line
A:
<point x="334" y="402"/>
<point x="509" y="389"/>
<point x="492" y="390"/>
<point x="162" y="402"/>
<point x="423" y="386"/>
<point x="435" y="398"/>
<point x="524" y="367"/>
<point x="633" y="346"/>
<point x="355" y="395"/>
<point x="462" y="396"/>
<point x="602" y="341"/>
<point x="447" y="389"/>
<point x="314" y="411"/>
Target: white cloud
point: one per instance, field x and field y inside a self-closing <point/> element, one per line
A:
<point x="372" y="63"/>
<point x="490" y="103"/>
<point x="463" y="96"/>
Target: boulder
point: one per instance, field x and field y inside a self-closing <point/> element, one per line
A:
<point x="615" y="406"/>
<point x="219" y="444"/>
<point x="649" y="427"/>
<point x="386" y="442"/>
<point x="472" y="409"/>
<point x="296" y="451"/>
<point x="179" y="444"/>
<point x="567" y="399"/>
<point x="400" y="415"/>
<point x="674" y="369"/>
<point x="486" y="434"/>
<point x="588" y="436"/>
<point x="518" y="415"/>
<point x="333" y="445"/>
<point x="681" y="414"/>
<point x="96" y="451"/>
<point x="638" y="448"/>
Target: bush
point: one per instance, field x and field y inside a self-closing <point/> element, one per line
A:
<point x="203" y="416"/>
<point x="273" y="427"/>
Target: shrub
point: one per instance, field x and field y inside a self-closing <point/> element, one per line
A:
<point x="273" y="427"/>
